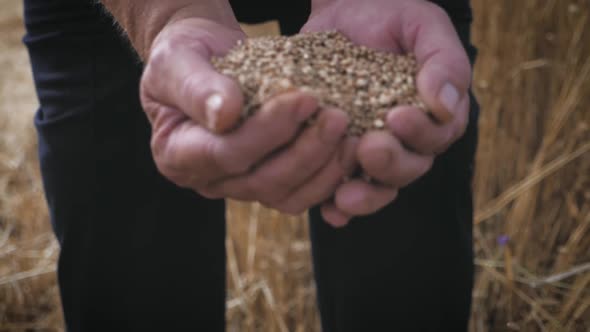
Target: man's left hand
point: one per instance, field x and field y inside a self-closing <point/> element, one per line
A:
<point x="406" y="151"/>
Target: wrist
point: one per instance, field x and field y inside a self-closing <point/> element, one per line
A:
<point x="143" y="22"/>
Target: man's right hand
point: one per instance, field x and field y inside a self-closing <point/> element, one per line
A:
<point x="269" y="158"/>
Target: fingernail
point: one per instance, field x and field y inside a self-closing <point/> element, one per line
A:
<point x="449" y="97"/>
<point x="213" y="105"/>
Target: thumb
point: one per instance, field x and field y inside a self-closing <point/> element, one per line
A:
<point x="445" y="72"/>
<point x="179" y="74"/>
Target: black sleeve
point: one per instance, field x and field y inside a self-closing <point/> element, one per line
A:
<point x="458" y="10"/>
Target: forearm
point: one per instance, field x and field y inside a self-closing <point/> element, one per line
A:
<point x="143" y="20"/>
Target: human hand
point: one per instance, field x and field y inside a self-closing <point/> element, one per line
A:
<point x="269" y="158"/>
<point x="397" y="157"/>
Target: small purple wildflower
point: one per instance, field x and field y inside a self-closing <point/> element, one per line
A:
<point x="502" y="240"/>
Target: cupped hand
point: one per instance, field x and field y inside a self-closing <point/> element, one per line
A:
<point x="398" y="156"/>
<point x="198" y="140"/>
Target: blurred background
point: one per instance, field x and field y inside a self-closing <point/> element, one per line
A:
<point x="532" y="189"/>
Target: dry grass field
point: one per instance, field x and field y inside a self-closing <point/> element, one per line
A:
<point x="532" y="189"/>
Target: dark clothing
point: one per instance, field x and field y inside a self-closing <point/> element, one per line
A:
<point x="140" y="254"/>
<point x="293" y="14"/>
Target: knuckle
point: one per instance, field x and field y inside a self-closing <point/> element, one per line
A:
<point x="166" y="155"/>
<point x="188" y="85"/>
<point x="148" y="92"/>
<point x="164" y="169"/>
<point x="174" y="176"/>
<point x="170" y="163"/>
<point x="162" y="51"/>
<point x="167" y="167"/>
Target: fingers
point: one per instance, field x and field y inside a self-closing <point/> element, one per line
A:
<point x="178" y="74"/>
<point x="416" y="130"/>
<point x="359" y="198"/>
<point x="333" y="216"/>
<point x="323" y="184"/>
<point x="190" y="155"/>
<point x="274" y="126"/>
<point x="384" y="159"/>
<point x="445" y="71"/>
<point x="277" y="177"/>
<point x="310" y="152"/>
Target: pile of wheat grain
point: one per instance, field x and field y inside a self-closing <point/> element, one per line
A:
<point x="364" y="83"/>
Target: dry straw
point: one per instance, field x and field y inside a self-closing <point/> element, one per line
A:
<point x="533" y="166"/>
<point x="532" y="188"/>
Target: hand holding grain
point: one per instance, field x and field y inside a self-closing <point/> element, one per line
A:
<point x="399" y="156"/>
<point x="196" y="143"/>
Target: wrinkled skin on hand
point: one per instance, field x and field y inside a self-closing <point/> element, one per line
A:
<point x="270" y="158"/>
<point x="398" y="156"/>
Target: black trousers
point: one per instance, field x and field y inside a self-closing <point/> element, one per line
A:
<point x="140" y="254"/>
